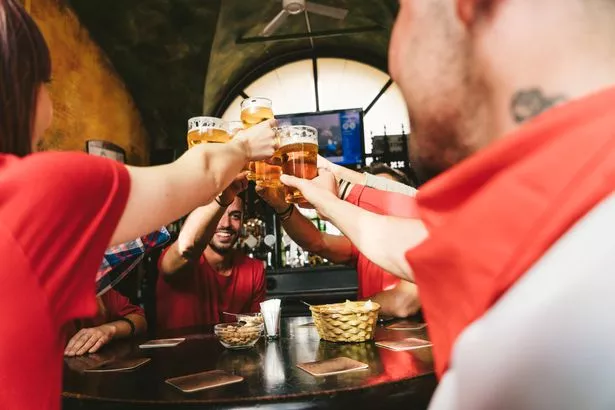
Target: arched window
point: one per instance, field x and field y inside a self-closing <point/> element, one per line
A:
<point x="342" y="84"/>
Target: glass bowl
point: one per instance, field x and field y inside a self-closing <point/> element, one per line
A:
<point x="238" y="335"/>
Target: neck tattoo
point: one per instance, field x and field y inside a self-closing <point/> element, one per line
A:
<point x="530" y="102"/>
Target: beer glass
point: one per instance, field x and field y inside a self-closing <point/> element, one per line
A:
<point x="299" y="152"/>
<point x="253" y="111"/>
<point x="203" y="130"/>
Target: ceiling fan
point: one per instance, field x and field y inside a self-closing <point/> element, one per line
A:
<point x="299" y="6"/>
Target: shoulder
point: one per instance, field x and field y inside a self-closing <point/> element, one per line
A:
<point x="69" y="175"/>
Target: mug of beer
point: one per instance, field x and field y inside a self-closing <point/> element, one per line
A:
<point x="299" y="152"/>
<point x="254" y="111"/>
<point x="203" y="130"/>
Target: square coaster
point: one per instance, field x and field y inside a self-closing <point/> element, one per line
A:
<point x="152" y="344"/>
<point x="329" y="367"/>
<point x="204" y="380"/>
<point x="409" y="343"/>
<point x="119" y="365"/>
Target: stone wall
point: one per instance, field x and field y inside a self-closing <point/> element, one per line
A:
<point x="90" y="100"/>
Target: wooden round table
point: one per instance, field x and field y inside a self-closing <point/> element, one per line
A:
<point x="271" y="378"/>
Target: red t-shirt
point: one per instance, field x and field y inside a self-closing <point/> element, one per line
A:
<point x="57" y="214"/>
<point x="116" y="306"/>
<point x="493" y="216"/>
<point x="372" y="278"/>
<point x="200" y="299"/>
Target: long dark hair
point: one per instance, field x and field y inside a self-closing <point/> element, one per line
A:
<point x="25" y="65"/>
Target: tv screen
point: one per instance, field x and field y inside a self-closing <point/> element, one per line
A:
<point x="340" y="133"/>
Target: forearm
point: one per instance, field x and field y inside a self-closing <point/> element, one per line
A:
<point x="351" y="177"/>
<point x="309" y="238"/>
<point x="385" y="184"/>
<point x="194" y="237"/>
<point x="382" y="239"/>
<point x="340" y="172"/>
<point x="201" y="173"/>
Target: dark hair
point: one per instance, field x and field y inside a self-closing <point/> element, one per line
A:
<point x="379" y="168"/>
<point x="25" y="65"/>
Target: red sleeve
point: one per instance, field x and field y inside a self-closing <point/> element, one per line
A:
<point x="260" y="286"/>
<point x="119" y="306"/>
<point x="383" y="202"/>
<point x="62" y="209"/>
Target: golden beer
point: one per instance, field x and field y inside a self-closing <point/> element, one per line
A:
<point x="206" y="130"/>
<point x="254" y="111"/>
<point x="299" y="153"/>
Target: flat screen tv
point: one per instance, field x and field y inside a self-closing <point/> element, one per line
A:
<point x="340" y="133"/>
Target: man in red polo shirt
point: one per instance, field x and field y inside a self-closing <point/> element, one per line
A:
<point x="202" y="275"/>
<point x="513" y="253"/>
<point x="397" y="298"/>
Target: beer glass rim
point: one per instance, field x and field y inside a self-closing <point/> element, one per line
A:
<point x="312" y="139"/>
<point x="217" y="123"/>
<point x="256" y="102"/>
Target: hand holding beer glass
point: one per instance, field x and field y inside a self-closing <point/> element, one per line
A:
<point x="299" y="152"/>
<point x="206" y="130"/>
<point x="254" y="111"/>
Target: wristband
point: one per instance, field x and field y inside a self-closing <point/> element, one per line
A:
<point x="219" y="202"/>
<point x="287" y="213"/>
<point x="130" y="323"/>
<point x="343" y="194"/>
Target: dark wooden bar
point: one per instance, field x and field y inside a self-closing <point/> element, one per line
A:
<point x="272" y="380"/>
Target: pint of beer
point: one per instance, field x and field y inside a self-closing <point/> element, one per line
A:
<point x="299" y="152"/>
<point x="253" y="111"/>
<point x="206" y="130"/>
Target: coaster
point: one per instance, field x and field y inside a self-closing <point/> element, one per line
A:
<point x="406" y="325"/>
<point x="119" y="365"/>
<point x="409" y="343"/>
<point x="204" y="380"/>
<point x="332" y="366"/>
<point x="152" y="344"/>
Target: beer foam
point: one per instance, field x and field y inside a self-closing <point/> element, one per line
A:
<point x="200" y="123"/>
<point x="295" y="134"/>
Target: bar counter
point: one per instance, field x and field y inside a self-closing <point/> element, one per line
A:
<point x="271" y="378"/>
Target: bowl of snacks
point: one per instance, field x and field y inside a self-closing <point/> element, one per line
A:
<point x="238" y="335"/>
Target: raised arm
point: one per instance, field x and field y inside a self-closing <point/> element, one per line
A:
<point x="199" y="228"/>
<point x="162" y="194"/>
<point x="336" y="248"/>
<point x="345" y="175"/>
<point x="382" y="239"/>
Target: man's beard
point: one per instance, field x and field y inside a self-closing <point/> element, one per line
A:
<point x="434" y="151"/>
<point x="223" y="249"/>
<point x="437" y="143"/>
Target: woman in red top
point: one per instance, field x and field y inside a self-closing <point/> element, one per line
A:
<point x="117" y="318"/>
<point x="60" y="211"/>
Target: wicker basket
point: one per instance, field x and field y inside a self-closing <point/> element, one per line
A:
<point x="346" y="322"/>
